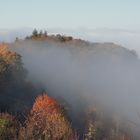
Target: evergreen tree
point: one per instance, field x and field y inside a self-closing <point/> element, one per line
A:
<point x="35" y="33"/>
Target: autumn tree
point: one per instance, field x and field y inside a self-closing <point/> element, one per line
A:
<point x="47" y="121"/>
<point x="15" y="92"/>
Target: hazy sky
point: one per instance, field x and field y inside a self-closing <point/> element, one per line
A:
<point x="122" y="14"/>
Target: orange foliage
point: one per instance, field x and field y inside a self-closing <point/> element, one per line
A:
<point x="45" y="104"/>
<point x="47" y="121"/>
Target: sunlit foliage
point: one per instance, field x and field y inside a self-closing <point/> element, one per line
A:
<point x="47" y="121"/>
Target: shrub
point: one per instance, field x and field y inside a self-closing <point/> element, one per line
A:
<point x="8" y="127"/>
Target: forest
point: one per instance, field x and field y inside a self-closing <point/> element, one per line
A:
<point x="56" y="87"/>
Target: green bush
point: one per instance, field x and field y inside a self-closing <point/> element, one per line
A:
<point x="8" y="127"/>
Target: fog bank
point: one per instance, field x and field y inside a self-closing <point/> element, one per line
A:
<point x="104" y="74"/>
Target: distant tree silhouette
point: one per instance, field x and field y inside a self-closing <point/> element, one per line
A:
<point x="35" y="33"/>
<point x="45" y="33"/>
<point x="40" y="33"/>
<point x="17" y="39"/>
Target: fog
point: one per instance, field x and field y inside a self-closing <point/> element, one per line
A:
<point x="126" y="37"/>
<point x="103" y="74"/>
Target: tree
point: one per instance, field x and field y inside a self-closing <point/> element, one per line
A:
<point x="35" y="33"/>
<point x="40" y="33"/>
<point x="14" y="88"/>
<point x="45" y="33"/>
<point x="17" y="39"/>
<point x="47" y="121"/>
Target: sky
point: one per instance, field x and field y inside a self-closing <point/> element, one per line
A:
<point x="70" y="14"/>
<point x="114" y="21"/>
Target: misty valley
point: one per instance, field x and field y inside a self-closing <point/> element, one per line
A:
<point x="56" y="87"/>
